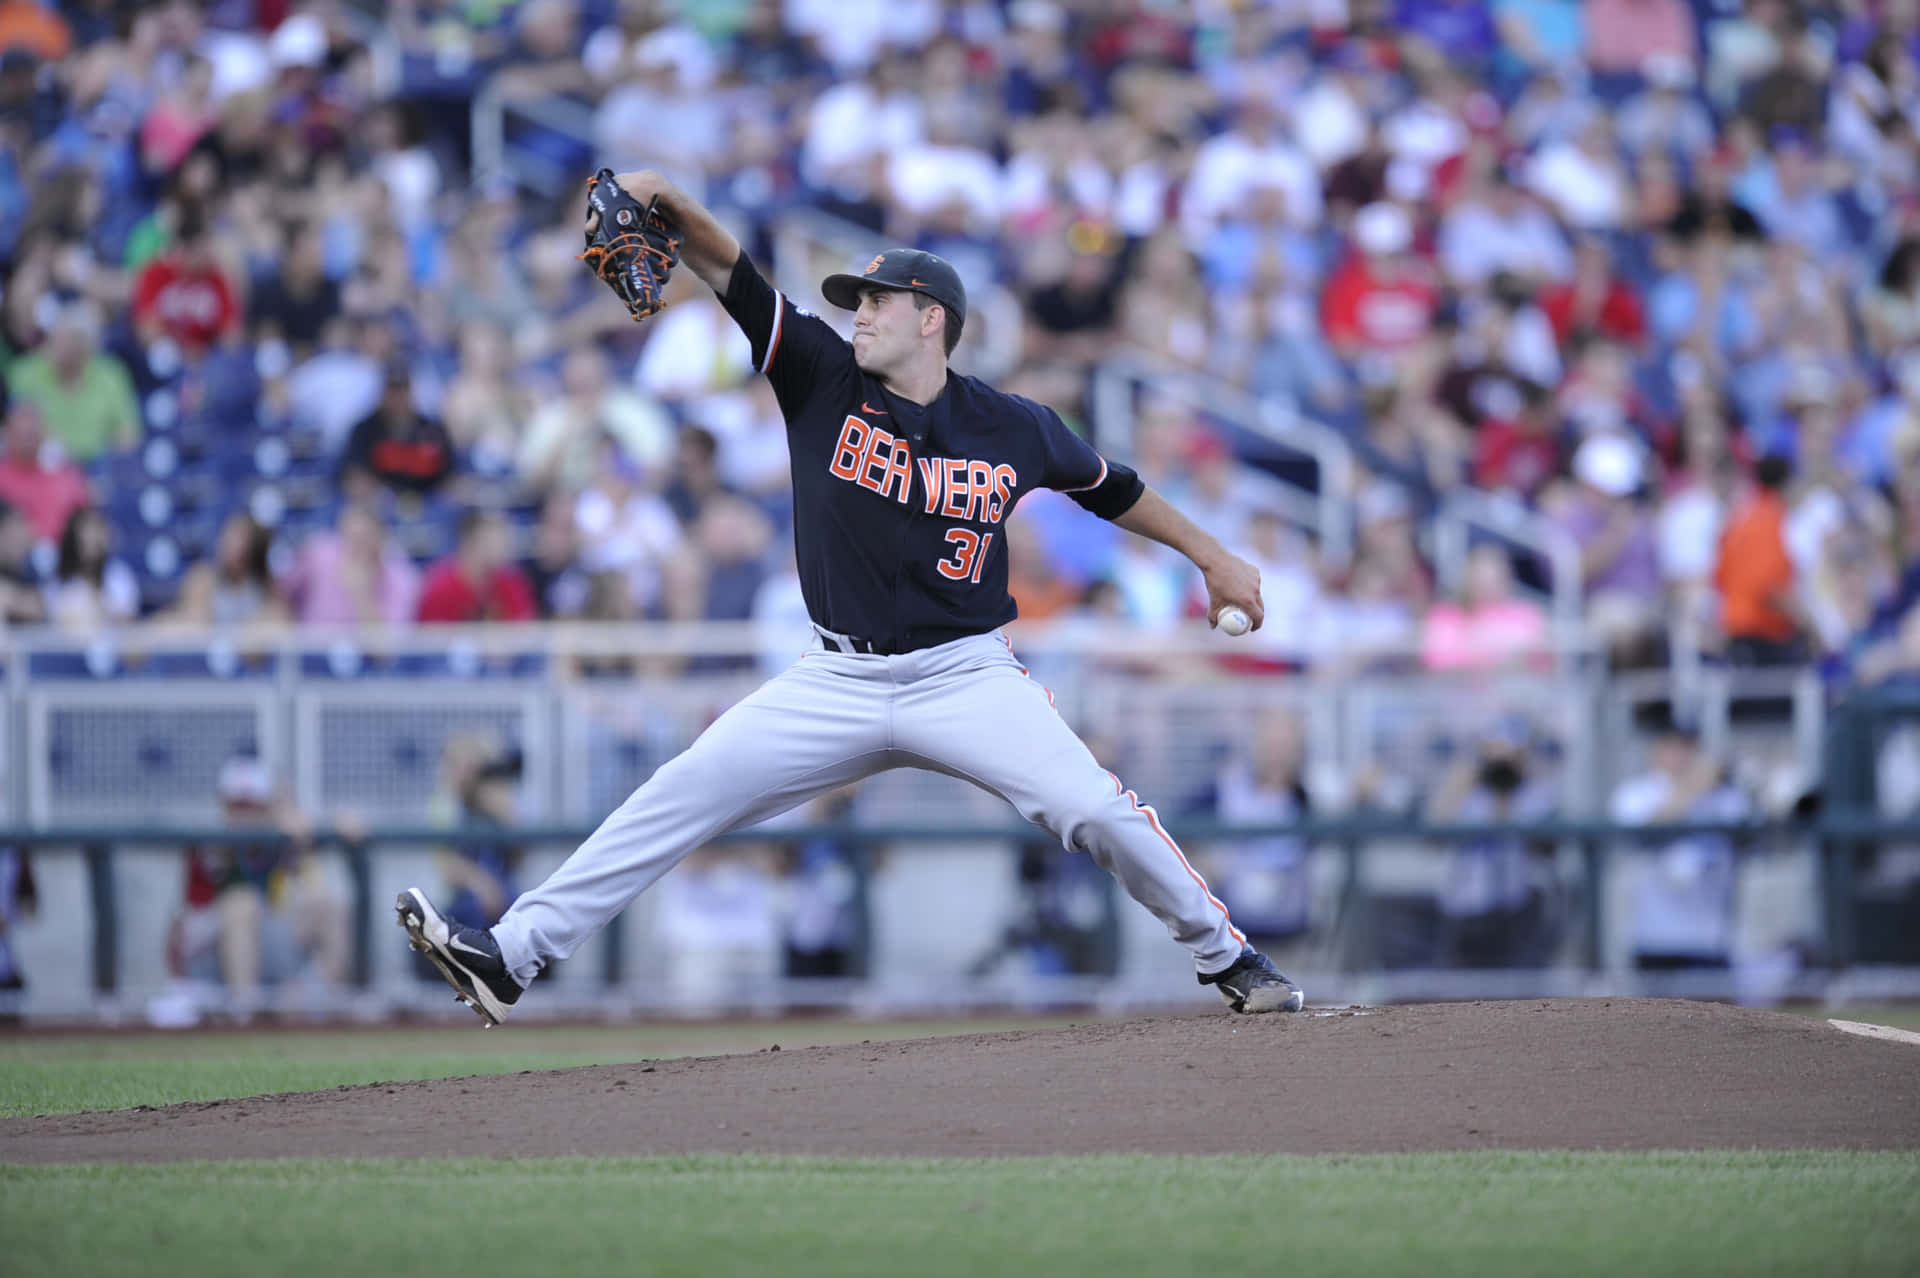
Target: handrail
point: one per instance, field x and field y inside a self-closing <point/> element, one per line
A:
<point x="800" y="229"/>
<point x="488" y="125"/>
<point x="488" y="130"/>
<point x="1326" y="511"/>
<point x="1465" y="508"/>
<point x="383" y="47"/>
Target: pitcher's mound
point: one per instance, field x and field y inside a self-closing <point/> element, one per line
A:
<point x="1571" y="1074"/>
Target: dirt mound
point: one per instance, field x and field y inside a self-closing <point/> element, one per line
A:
<point x="1600" y="1074"/>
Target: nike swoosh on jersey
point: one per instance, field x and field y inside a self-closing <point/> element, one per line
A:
<point x="865" y="407"/>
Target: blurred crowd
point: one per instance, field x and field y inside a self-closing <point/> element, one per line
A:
<point x="1647" y="268"/>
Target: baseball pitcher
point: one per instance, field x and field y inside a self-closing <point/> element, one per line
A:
<point x="904" y="474"/>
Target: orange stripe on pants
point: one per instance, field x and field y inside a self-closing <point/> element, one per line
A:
<point x="1153" y="819"/>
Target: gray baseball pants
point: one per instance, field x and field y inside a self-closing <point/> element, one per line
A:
<point x="965" y="708"/>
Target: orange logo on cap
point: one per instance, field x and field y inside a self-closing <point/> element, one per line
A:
<point x="874" y="265"/>
<point x="919" y="284"/>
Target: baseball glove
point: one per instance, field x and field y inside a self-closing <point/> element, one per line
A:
<point x="633" y="249"/>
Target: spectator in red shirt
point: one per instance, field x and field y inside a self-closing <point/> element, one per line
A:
<point x="1519" y="454"/>
<point x="183" y="294"/>
<point x="1595" y="302"/>
<point x="45" y="489"/>
<point x="478" y="581"/>
<point x="1379" y="301"/>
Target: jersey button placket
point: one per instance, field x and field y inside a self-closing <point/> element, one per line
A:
<point x="917" y="513"/>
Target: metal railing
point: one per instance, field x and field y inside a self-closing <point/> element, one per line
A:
<point x="496" y="158"/>
<point x="1325" y="510"/>
<point x="809" y="245"/>
<point x="1465" y="512"/>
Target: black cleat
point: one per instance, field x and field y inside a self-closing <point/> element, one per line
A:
<point x="466" y="956"/>
<point x="1254" y="984"/>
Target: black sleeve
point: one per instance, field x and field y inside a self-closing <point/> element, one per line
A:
<point x="1069" y="463"/>
<point x="791" y="346"/>
<point x="1114" y="495"/>
<point x="1072" y="466"/>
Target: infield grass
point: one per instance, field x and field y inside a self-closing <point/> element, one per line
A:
<point x="1480" y="1214"/>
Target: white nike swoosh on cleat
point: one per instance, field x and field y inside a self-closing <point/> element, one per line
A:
<point x="454" y="943"/>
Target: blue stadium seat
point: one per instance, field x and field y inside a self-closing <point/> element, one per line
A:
<point x="342" y="659"/>
<point x="98" y="660"/>
<point x="161" y="409"/>
<point x="121" y="506"/>
<point x="230" y="386"/>
<point x="160" y="458"/>
<point x="155" y="505"/>
<point x="310" y="467"/>
<point x="1615" y="88"/>
<point x="200" y="488"/>
<point x="159" y="559"/>
<point x="308" y="443"/>
<point x="421" y="666"/>
<point x="114" y="472"/>
<point x="309" y="492"/>
<point x="270" y="457"/>
<point x="197" y="532"/>
<point x="195" y="444"/>
<point x="268" y="506"/>
<point x="526" y="665"/>
<point x="177" y="665"/>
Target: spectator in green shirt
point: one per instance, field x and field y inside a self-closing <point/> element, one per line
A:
<point x="84" y="393"/>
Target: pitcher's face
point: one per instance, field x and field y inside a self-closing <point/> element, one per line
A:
<point x="888" y="328"/>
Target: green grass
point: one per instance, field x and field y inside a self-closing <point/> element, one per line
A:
<point x="1478" y="1214"/>
<point x="52" y="1074"/>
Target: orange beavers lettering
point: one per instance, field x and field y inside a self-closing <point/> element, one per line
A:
<point x="881" y="462"/>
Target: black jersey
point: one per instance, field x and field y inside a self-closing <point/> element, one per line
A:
<point x="900" y="508"/>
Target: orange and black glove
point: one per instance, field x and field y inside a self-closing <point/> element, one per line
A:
<point x="634" y="249"/>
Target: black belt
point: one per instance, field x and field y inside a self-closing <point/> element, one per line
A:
<point x="848" y="643"/>
<point x="928" y="637"/>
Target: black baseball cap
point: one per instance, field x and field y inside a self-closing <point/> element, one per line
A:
<point x="908" y="269"/>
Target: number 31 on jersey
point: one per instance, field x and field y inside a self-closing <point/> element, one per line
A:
<point x="969" y="554"/>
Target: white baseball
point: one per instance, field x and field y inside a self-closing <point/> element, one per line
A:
<point x="1233" y="621"/>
